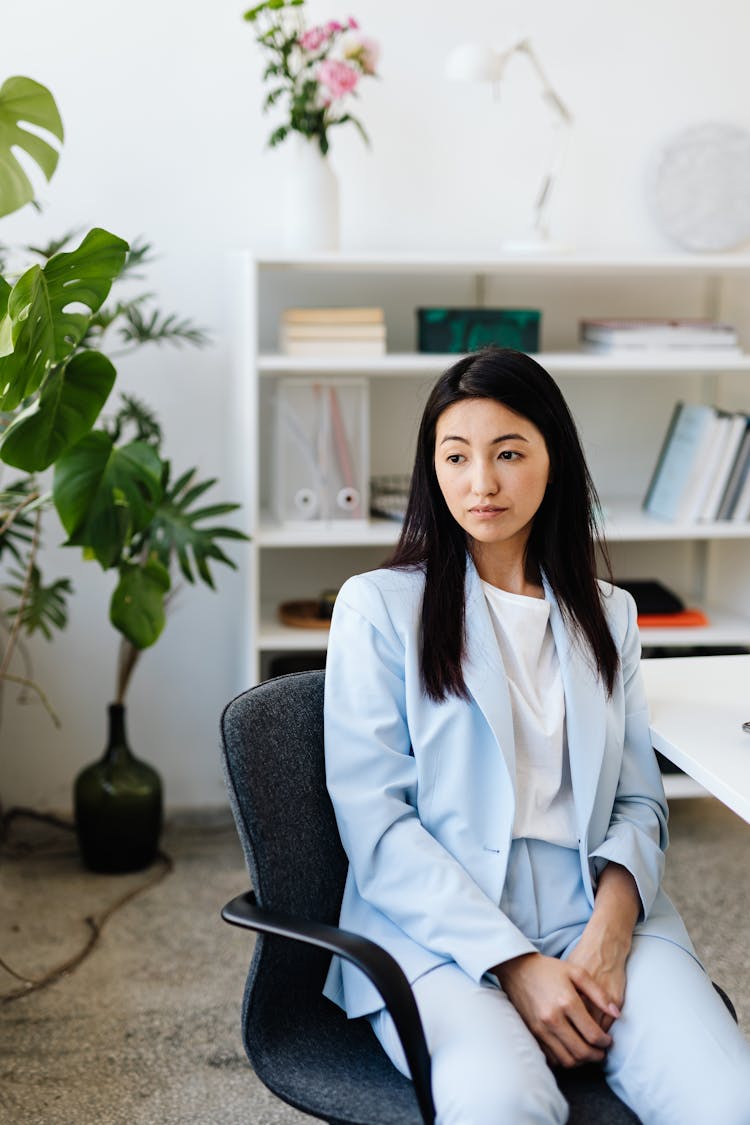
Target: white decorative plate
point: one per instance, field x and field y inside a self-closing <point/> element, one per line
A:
<point x="699" y="189"/>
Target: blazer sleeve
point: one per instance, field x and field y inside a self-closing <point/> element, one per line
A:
<point x="398" y="866"/>
<point x="637" y="836"/>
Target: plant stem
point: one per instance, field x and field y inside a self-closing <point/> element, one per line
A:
<point x="126" y="662"/>
<point x="17" y="511"/>
<point x="24" y="681"/>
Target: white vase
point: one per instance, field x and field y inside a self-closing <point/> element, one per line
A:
<point x="311" y="199"/>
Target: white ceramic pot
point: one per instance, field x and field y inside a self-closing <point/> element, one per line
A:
<point x="311" y="199"/>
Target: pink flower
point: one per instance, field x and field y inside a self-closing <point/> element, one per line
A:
<point x="353" y="25"/>
<point x="313" y="38"/>
<point x="365" y="52"/>
<point x="333" y="26"/>
<point x="338" y="77"/>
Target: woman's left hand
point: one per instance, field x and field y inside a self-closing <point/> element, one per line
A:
<point x="605" y="942"/>
<point x="604" y="958"/>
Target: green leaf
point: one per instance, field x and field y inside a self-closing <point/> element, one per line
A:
<point x="137" y="606"/>
<point x="15" y="502"/>
<point x="174" y="531"/>
<point x="45" y="607"/>
<point x="23" y="100"/>
<point x="67" y="408"/>
<point x="159" y="329"/>
<point x="44" y="327"/>
<point x="105" y="495"/>
<point x="278" y="136"/>
<point x="55" y="245"/>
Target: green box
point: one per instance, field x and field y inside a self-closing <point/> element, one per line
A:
<point x="466" y="330"/>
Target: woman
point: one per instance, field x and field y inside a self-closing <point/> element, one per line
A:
<point x="490" y="766"/>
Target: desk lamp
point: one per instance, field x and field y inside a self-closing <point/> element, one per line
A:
<point x="473" y="62"/>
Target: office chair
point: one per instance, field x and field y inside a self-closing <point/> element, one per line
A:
<point x="299" y="1044"/>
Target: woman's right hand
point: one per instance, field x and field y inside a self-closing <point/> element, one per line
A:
<point x="549" y="996"/>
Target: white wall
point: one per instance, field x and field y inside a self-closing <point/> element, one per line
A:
<point x="165" y="139"/>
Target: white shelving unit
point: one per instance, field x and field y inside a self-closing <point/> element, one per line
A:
<point x="622" y="404"/>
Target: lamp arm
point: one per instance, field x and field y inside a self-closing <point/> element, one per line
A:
<point x="563" y="123"/>
<point x="552" y="97"/>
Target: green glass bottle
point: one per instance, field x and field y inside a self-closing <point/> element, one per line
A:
<point x="118" y="805"/>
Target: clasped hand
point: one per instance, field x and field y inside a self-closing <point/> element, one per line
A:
<point x="565" y="1008"/>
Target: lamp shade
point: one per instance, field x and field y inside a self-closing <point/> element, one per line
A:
<point x="473" y="62"/>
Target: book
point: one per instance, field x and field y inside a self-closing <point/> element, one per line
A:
<point x="321" y="331"/>
<point x="741" y="510"/>
<point x="737" y="478"/>
<point x="657" y="334"/>
<point x="320" y="339"/>
<point x="703" y="480"/>
<point x="735" y="426"/>
<point x="338" y="315"/>
<point x="670" y="492"/>
<point x="598" y="347"/>
<point x="333" y="348"/>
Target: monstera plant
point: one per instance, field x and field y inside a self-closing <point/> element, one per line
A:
<point x="52" y="390"/>
<point x="114" y="493"/>
<point x="115" y="496"/>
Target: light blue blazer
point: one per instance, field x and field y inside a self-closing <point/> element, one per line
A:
<point x="424" y="792"/>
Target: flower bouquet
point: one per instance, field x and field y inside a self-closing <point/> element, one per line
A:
<point x="318" y="69"/>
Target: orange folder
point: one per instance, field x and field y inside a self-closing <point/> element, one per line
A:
<point x="686" y="618"/>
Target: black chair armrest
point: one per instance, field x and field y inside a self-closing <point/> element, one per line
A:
<point x="384" y="972"/>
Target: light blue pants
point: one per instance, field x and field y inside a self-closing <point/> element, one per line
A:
<point x="677" y="1057"/>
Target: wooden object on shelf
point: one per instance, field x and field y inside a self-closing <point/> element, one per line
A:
<point x="304" y="614"/>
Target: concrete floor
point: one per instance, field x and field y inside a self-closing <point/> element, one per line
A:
<point x="146" y="1030"/>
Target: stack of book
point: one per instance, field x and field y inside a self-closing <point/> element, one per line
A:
<point x="686" y="335"/>
<point x="332" y="332"/>
<point x="703" y="469"/>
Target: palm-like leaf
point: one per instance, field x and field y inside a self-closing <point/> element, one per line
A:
<point x="45" y="607"/>
<point x="140" y="418"/>
<point x="23" y="100"/>
<point x="157" y="328"/>
<point x="174" y="531"/>
<point x="17" y="502"/>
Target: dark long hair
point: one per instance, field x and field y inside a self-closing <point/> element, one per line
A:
<point x="563" y="536"/>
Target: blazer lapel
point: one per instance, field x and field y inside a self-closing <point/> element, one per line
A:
<point x="585" y="715"/>
<point x="484" y="671"/>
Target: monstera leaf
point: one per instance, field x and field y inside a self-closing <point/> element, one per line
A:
<point x="104" y="495"/>
<point x="137" y="606"/>
<point x="65" y="411"/>
<point x="22" y="99"/>
<point x="43" y="322"/>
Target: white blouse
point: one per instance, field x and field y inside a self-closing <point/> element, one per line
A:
<point x="544" y="796"/>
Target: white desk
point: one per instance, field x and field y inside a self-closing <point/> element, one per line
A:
<point x="698" y="705"/>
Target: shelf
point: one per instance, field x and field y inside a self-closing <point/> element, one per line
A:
<point x="334" y="533"/>
<point x="275" y="637"/>
<point x="289" y="556"/>
<point x="625" y="522"/>
<point x="557" y="363"/>
<point x="565" y="265"/>
<point x="724" y="629"/>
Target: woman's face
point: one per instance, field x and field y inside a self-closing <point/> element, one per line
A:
<point x="493" y="468"/>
